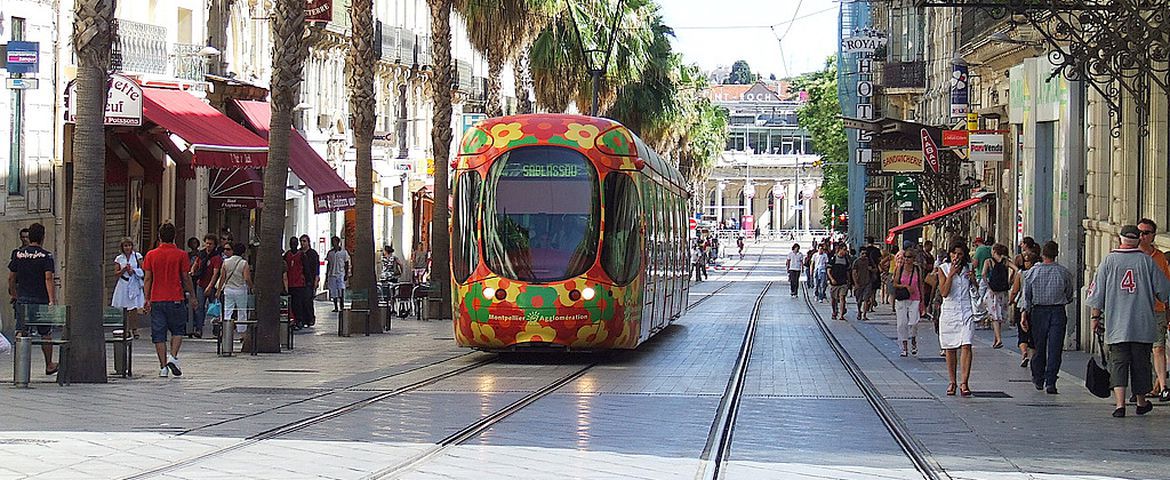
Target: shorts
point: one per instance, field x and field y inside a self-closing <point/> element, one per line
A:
<point x="861" y="293"/>
<point x="839" y="292"/>
<point x="26" y="311"/>
<point x="167" y="316"/>
<point x="336" y="286"/>
<point x="1160" y="334"/>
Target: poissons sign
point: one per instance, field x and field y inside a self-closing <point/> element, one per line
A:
<point x="123" y="102"/>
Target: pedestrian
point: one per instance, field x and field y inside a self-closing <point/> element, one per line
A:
<point x="998" y="273"/>
<point x="30" y="283"/>
<point x="311" y="260"/>
<point x="956" y="330"/>
<point x="1122" y="299"/>
<point x="875" y="277"/>
<point x="739" y="243"/>
<point x="714" y="249"/>
<point x="205" y="271"/>
<point x="839" y="281"/>
<point x="808" y="264"/>
<point x="23" y="243"/>
<point x="294" y="283"/>
<point x="907" y="283"/>
<point x="234" y="286"/>
<point x="981" y="254"/>
<point x="165" y="281"/>
<point x="699" y="261"/>
<point x="1047" y="288"/>
<point x="794" y="264"/>
<point x="1027" y="244"/>
<point x="1149" y="230"/>
<point x="886" y="267"/>
<point x="820" y="262"/>
<point x="128" y="294"/>
<point x="1023" y="331"/>
<point x="861" y="273"/>
<point x="337" y="272"/>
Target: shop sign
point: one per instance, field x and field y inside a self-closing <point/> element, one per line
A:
<point x="972" y="121"/>
<point x="866" y="41"/>
<point x="954" y="138"/>
<point x="902" y="161"/>
<point x="123" y="102"/>
<point x="404" y="166"/>
<point x="905" y="191"/>
<point x="318" y="10"/>
<point x="929" y="150"/>
<point x="959" y="92"/>
<point x="23" y="57"/>
<point x="987" y="147"/>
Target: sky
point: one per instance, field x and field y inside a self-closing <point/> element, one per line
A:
<point x="703" y="40"/>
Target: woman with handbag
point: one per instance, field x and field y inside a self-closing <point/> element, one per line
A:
<point x="956" y="319"/>
<point x="128" y="294"/>
<point x="234" y="285"/>
<point x="907" y="280"/>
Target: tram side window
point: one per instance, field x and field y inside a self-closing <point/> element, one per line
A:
<point x="621" y="255"/>
<point x="464" y="241"/>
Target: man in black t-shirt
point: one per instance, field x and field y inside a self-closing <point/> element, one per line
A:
<point x="30" y="282"/>
<point x="311" y="260"/>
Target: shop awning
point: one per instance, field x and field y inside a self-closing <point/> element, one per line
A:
<point x="216" y="141"/>
<point x="236" y="188"/>
<point x="925" y="219"/>
<point x="386" y="202"/>
<point x="330" y="192"/>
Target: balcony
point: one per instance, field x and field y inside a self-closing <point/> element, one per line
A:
<point x="903" y="75"/>
<point x="464" y="79"/>
<point x="188" y="63"/>
<point x="139" y="48"/>
<point x="975" y="26"/>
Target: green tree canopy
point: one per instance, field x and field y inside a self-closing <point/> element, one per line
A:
<point x="821" y="117"/>
<point x="741" y="73"/>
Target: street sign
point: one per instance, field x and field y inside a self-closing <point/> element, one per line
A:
<point x="23" y="83"/>
<point x="693" y="224"/>
<point x="929" y="150"/>
<point x="23" y="57"/>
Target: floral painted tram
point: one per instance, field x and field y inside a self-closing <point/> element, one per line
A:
<point x="567" y="233"/>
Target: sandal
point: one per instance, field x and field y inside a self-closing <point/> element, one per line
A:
<point x="965" y="390"/>
<point x="998" y="344"/>
<point x="951" y="390"/>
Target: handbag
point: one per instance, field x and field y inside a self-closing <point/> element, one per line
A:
<point x="903" y="293"/>
<point x="215" y="308"/>
<point x="1096" y="376"/>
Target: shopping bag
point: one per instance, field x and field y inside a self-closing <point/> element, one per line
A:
<point x="214" y="309"/>
<point x="5" y="345"/>
<point x="1096" y="376"/>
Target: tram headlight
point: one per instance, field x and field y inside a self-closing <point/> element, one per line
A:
<point x="588" y="293"/>
<point x="574" y="295"/>
<point x="489" y="292"/>
<point x="501" y="294"/>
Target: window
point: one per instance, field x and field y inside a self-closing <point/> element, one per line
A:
<point x="464" y="241"/>
<point x="16" y="139"/>
<point x="621" y="254"/>
<point x="541" y="214"/>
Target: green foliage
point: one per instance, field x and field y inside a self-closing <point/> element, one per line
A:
<point x="821" y="117"/>
<point x="741" y="73"/>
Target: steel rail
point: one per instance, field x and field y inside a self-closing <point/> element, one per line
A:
<point x="915" y="451"/>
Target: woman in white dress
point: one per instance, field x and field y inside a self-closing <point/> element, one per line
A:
<point x="128" y="291"/>
<point x="956" y="326"/>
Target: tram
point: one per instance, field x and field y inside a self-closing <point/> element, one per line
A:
<point x="567" y="233"/>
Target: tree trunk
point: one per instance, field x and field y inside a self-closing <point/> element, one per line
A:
<point x="360" y="77"/>
<point x="523" y="83"/>
<point x="441" y="146"/>
<point x="493" y="104"/>
<point x="288" y="53"/>
<point x="92" y="35"/>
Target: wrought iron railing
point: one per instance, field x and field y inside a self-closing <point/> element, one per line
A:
<point x="140" y="47"/>
<point x="187" y="61"/>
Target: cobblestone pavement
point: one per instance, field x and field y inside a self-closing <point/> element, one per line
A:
<point x="640" y="414"/>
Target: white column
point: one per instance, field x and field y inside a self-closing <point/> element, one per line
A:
<point x="719" y="188"/>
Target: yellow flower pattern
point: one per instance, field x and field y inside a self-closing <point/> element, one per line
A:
<point x="505" y="133"/>
<point x="584" y="135"/>
<point x="535" y="332"/>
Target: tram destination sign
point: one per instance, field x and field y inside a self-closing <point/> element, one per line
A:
<point x="544" y="170"/>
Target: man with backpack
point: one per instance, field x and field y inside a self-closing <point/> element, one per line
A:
<point x="838" y="273"/>
<point x="998" y="272"/>
<point x="205" y="267"/>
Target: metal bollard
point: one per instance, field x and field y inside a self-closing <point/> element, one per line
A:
<point x="22" y="365"/>
<point x="227" y="337"/>
<point x="119" y="355"/>
<point x="343" y="326"/>
<point x="283" y="332"/>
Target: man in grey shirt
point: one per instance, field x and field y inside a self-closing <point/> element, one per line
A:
<point x="1047" y="288"/>
<point x="1124" y="289"/>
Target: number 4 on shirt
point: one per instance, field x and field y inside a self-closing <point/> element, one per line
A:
<point x="1127" y="282"/>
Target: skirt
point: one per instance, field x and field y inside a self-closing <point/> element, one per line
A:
<point x="956" y="327"/>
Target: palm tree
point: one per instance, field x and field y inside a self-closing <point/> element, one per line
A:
<point x="441" y="147"/>
<point x="360" y="79"/>
<point x="289" y="50"/>
<point x="92" y="36"/>
<point x="651" y="105"/>
<point x="501" y="29"/>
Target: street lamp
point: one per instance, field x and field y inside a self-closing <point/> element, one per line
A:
<point x="597" y="58"/>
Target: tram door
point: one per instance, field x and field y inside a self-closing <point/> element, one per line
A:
<point x="648" y="303"/>
<point x="663" y="264"/>
<point x="667" y="256"/>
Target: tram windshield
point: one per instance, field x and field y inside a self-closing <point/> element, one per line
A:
<point x="541" y="214"/>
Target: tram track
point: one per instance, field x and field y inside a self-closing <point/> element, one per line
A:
<point x="923" y="462"/>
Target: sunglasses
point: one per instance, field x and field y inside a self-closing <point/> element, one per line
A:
<point x="1147" y="232"/>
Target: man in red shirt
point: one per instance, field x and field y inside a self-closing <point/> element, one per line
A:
<point x="167" y="279"/>
<point x="294" y="284"/>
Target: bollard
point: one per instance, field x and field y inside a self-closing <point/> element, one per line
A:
<point x="119" y="354"/>
<point x="22" y="365"/>
<point x="227" y="337"/>
<point x="343" y="326"/>
<point x="283" y="332"/>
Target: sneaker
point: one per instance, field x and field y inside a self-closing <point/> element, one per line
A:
<point x="1164" y="396"/>
<point x="903" y="354"/>
<point x="173" y="365"/>
<point x="1051" y="390"/>
<point x="164" y="372"/>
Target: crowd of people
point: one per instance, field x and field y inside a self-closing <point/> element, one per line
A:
<point x="984" y="286"/>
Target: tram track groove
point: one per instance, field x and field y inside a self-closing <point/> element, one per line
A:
<point x="719" y="437"/>
<point x="923" y="461"/>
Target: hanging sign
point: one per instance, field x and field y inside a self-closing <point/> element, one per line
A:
<point x="123" y="102"/>
<point x="959" y="92"/>
<point x="902" y="161"/>
<point x="929" y="150"/>
<point x="986" y="147"/>
<point x="318" y="10"/>
<point x="954" y="138"/>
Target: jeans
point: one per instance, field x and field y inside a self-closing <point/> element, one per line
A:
<point x="200" y="309"/>
<point x="822" y="281"/>
<point x="1048" y="327"/>
<point x="794" y="280"/>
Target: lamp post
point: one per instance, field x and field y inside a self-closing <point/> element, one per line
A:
<point x="595" y="61"/>
<point x="597" y="57"/>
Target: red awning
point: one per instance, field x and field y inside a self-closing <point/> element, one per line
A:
<point x="216" y="141"/>
<point x="330" y="192"/>
<point x="925" y="219"/>
<point x="236" y="188"/>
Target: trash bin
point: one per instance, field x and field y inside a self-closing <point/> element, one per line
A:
<point x="119" y="354"/>
<point x="227" y="337"/>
